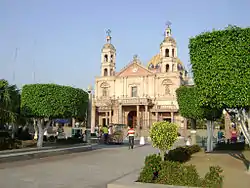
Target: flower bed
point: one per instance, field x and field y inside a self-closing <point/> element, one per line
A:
<point x="172" y="171"/>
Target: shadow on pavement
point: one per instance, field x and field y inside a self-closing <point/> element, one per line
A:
<point x="239" y="155"/>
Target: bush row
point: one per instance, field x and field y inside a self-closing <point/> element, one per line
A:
<point x="9" y="143"/>
<point x="182" y="154"/>
<point x="231" y="146"/>
<point x="172" y="171"/>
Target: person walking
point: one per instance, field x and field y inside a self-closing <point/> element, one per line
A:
<point x="131" y="137"/>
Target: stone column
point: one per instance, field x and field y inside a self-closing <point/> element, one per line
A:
<point x="120" y="114"/>
<point x="157" y="116"/>
<point x="146" y="116"/>
<point x="106" y="117"/>
<point x="93" y="119"/>
<point x="138" y="115"/>
<point x="172" y="117"/>
<point x="138" y="127"/>
<point x="110" y="116"/>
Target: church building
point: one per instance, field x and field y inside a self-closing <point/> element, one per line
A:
<point x="139" y="94"/>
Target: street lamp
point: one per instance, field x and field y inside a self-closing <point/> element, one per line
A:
<point x="88" y="127"/>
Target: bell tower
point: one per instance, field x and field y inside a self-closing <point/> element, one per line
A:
<point x="108" y="57"/>
<point x="168" y="51"/>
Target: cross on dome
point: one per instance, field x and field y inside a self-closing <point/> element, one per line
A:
<point x="108" y="38"/>
<point x="168" y="29"/>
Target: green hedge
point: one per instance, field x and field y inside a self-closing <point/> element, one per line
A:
<point x="175" y="173"/>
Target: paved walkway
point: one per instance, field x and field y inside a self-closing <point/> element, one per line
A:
<point x="234" y="168"/>
<point x="92" y="169"/>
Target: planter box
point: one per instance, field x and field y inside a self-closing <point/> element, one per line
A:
<point x="128" y="181"/>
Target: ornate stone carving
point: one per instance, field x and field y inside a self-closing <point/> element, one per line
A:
<point x="167" y="82"/>
<point x="104" y="85"/>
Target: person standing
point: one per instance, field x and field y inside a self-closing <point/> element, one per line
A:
<point x="131" y="137"/>
<point x="105" y="134"/>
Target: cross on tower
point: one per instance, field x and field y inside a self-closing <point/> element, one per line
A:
<point x="168" y="24"/>
<point x="108" y="32"/>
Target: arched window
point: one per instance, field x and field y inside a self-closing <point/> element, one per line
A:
<point x="173" y="67"/>
<point x="167" y="52"/>
<point x="111" y="58"/>
<point x="105" y="73"/>
<point x="167" y="67"/>
<point x="105" y="92"/>
<point x="105" y="58"/>
<point x="173" y="53"/>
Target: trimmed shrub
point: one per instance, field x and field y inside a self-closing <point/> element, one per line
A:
<point x="193" y="149"/>
<point x="213" y="178"/>
<point x="174" y="173"/>
<point x="152" y="166"/>
<point x="180" y="154"/>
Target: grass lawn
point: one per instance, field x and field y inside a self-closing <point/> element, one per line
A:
<point x="231" y="162"/>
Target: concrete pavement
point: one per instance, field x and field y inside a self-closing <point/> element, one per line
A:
<point x="93" y="169"/>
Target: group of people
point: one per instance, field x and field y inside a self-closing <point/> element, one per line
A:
<point x="106" y="131"/>
<point x="234" y="138"/>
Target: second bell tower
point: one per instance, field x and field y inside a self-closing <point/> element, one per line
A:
<point x="108" y="57"/>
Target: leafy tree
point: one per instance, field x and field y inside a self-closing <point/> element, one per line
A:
<point x="47" y="101"/>
<point x="221" y="63"/>
<point x="163" y="135"/>
<point x="9" y="103"/>
<point x="189" y="107"/>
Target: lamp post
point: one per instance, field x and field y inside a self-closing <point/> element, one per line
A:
<point x="88" y="127"/>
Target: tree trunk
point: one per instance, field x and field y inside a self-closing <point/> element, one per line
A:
<point x="40" y="132"/>
<point x="243" y="119"/>
<point x="13" y="131"/>
<point x="212" y="136"/>
<point x="193" y="131"/>
<point x="248" y="120"/>
<point x="209" y="136"/>
<point x="35" y="129"/>
<point x="162" y="153"/>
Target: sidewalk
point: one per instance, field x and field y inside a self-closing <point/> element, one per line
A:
<point x="94" y="169"/>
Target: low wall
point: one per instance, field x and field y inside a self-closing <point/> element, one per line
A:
<point x="41" y="153"/>
<point x="128" y="181"/>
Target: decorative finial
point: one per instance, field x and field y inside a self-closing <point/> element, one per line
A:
<point x="135" y="57"/>
<point x="168" y="29"/>
<point x="108" y="38"/>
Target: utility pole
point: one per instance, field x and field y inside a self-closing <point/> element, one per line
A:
<point x="15" y="58"/>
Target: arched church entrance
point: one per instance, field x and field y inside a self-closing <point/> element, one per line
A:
<point x="132" y="119"/>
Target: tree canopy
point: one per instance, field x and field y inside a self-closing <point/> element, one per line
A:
<point x="163" y="135"/>
<point x="221" y="67"/>
<point x="53" y="101"/>
<point x="188" y="101"/>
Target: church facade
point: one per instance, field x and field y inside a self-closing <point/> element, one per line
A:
<point x="139" y="95"/>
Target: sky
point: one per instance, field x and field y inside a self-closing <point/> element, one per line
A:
<point x="60" y="41"/>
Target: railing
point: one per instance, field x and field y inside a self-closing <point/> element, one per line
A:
<point x="136" y="101"/>
<point x="165" y="108"/>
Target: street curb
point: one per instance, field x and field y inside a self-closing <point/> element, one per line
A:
<point x="11" y="157"/>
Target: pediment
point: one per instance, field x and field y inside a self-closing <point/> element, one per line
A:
<point x="134" y="69"/>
